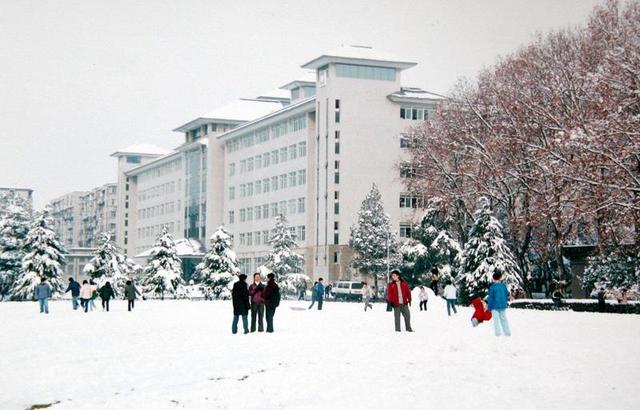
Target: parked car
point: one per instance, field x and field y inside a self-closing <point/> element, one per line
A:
<point x="347" y="290"/>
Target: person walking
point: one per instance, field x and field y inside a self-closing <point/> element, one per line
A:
<point x="94" y="294"/>
<point x="450" y="293"/>
<point x="43" y="292"/>
<point x="130" y="293"/>
<point x="367" y="292"/>
<point x="240" y="300"/>
<point x="85" y="295"/>
<point x="257" y="303"/>
<point x="74" y="287"/>
<point x="497" y="303"/>
<point x="106" y="292"/>
<point x="313" y="294"/>
<point x="271" y="296"/>
<point x="435" y="277"/>
<point x="319" y="289"/>
<point x="424" y="297"/>
<point x="399" y="297"/>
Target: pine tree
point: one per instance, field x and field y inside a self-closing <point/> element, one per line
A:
<point x="282" y="260"/>
<point x="44" y="258"/>
<point x="15" y="221"/>
<point x="218" y="267"/>
<point x="484" y="254"/>
<point x="108" y="264"/>
<point x="163" y="273"/>
<point x="372" y="240"/>
<point x="614" y="269"/>
<point x="433" y="246"/>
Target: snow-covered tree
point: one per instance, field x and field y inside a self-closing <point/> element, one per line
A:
<point x="282" y="260"/>
<point x="108" y="264"/>
<point x="484" y="254"/>
<point x="163" y="273"/>
<point x="433" y="246"/>
<point x="371" y="238"/>
<point x="15" y="221"/>
<point x="44" y="258"/>
<point x="614" y="269"/>
<point x="218" y="267"/>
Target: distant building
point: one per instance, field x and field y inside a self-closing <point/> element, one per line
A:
<point x="98" y="208"/>
<point x="66" y="212"/>
<point x="25" y="193"/>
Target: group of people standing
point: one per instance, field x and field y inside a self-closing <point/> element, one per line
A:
<point x="262" y="300"/>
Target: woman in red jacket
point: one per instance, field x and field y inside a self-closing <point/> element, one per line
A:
<point x="399" y="296"/>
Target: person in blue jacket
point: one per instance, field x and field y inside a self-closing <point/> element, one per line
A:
<point x="497" y="303"/>
<point x="43" y="293"/>
<point x="319" y="291"/>
<point x="74" y="287"/>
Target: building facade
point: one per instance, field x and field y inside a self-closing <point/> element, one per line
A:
<point x="25" y="193"/>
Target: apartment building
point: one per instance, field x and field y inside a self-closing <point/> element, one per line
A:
<point x="25" y="193"/>
<point x="66" y="212"/>
<point x="316" y="159"/>
<point x="98" y="209"/>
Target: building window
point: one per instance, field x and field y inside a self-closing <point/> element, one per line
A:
<point x="274" y="157"/>
<point x="258" y="161"/>
<point x="323" y="73"/>
<point x="232" y="217"/>
<point x="335" y="257"/>
<point x="250" y="189"/>
<point x="265" y="211"/>
<point x="407" y="171"/>
<point x="336" y="238"/>
<point x="243" y="215"/>
<point x="405" y="231"/>
<point x="232" y="193"/>
<point x="365" y="72"/>
<point x="292" y="178"/>
<point x="265" y="185"/>
<point x="291" y="206"/>
<point x="410" y="201"/>
<point x="336" y="208"/>
<point x="336" y="165"/>
<point x="282" y="207"/>
<point x="242" y="239"/>
<point x="293" y="151"/>
<point x="283" y="181"/>
<point x="232" y="169"/>
<point x="258" y="212"/>
<point x="274" y="183"/>
<point x="302" y="233"/>
<point x="283" y="154"/>
<point x="302" y="177"/>
<point x="337" y="116"/>
<point x="266" y="160"/>
<point x="301" y="205"/>
<point x="250" y="214"/>
<point x="243" y="166"/>
<point x="133" y="159"/>
<point x="265" y="237"/>
<point x="302" y="149"/>
<point x="243" y="190"/>
<point x="274" y="209"/>
<point x="249" y="239"/>
<point x="258" y="186"/>
<point x="414" y="113"/>
<point x="336" y="177"/>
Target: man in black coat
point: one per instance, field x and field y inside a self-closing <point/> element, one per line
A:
<point x="74" y="287"/>
<point x="271" y="296"/>
<point x="240" y="299"/>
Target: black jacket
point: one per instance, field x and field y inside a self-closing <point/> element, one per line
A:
<point x="240" y="298"/>
<point x="106" y="292"/>
<point x="74" y="287"/>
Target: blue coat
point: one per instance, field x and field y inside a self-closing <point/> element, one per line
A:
<point x="74" y="287"/>
<point x="498" y="296"/>
<point x="43" y="291"/>
<point x="319" y="291"/>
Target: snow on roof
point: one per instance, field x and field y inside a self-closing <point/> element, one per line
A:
<point x="356" y="52"/>
<point x="184" y="247"/>
<point x="276" y="93"/>
<point x="416" y="93"/>
<point x="241" y="110"/>
<point x="308" y="77"/>
<point x="142" y="149"/>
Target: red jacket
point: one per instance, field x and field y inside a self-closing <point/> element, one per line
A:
<point x="392" y="293"/>
<point x="479" y="313"/>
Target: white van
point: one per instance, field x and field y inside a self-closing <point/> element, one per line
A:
<point x="347" y="290"/>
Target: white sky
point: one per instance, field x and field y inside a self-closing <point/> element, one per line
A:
<point x="80" y="79"/>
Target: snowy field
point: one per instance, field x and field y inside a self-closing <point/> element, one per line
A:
<point x="181" y="354"/>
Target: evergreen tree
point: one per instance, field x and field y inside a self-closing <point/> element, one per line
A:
<point x="373" y="242"/>
<point x="44" y="258"/>
<point x="218" y="267"/>
<point x="163" y="273"/>
<point x="15" y="221"/>
<point x="108" y="264"/>
<point x="484" y="254"/>
<point x="282" y="260"/>
<point x="614" y="269"/>
<point x="433" y="246"/>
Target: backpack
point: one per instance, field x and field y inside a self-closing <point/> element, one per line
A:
<point x="275" y="298"/>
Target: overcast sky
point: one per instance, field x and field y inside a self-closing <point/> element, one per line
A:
<point x="80" y="79"/>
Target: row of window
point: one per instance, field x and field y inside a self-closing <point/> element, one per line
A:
<point x="270" y="158"/>
<point x="414" y="113"/>
<point x="262" y="237"/>
<point x="158" y="210"/>
<point x="365" y="72"/>
<point x="159" y="190"/>
<point x="155" y="230"/>
<point x="266" y="185"/>
<point x="264" y="134"/>
<point x="160" y="170"/>
<point x="271" y="210"/>
<point x="249" y="265"/>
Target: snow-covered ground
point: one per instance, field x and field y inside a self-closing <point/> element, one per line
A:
<point x="181" y="354"/>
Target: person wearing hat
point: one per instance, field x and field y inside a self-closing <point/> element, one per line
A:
<point x="399" y="297"/>
<point x="271" y="297"/>
<point x="240" y="299"/>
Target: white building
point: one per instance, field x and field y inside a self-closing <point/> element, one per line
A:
<point x="317" y="158"/>
<point x="25" y="193"/>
